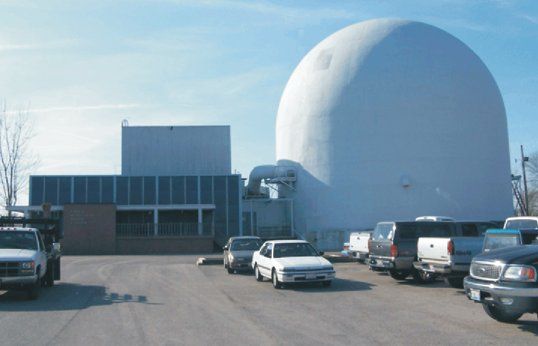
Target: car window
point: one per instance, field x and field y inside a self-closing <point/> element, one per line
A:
<point x="263" y="249"/>
<point x="245" y="245"/>
<point x="383" y="231"/>
<point x="499" y="241"/>
<point x="521" y="224"/>
<point x="469" y="230"/>
<point x="40" y="240"/>
<point x="294" y="250"/>
<point x="18" y="240"/>
<point x="528" y="238"/>
<point x="268" y="250"/>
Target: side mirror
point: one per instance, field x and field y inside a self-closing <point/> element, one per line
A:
<point x="57" y="247"/>
<point x="321" y="253"/>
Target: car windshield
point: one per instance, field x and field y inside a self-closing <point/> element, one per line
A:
<point x="499" y="241"/>
<point x="246" y="245"/>
<point x="18" y="240"/>
<point x="294" y="250"/>
<point x="383" y="231"/>
<point x="521" y="224"/>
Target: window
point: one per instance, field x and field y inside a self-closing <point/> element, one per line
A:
<point x="164" y="190"/>
<point x="178" y="190"/>
<point x="94" y="190"/>
<point x="521" y="224"/>
<point x="122" y="190"/>
<point x="36" y="187"/>
<point x="469" y="230"/>
<point x="206" y="190"/>
<point x="294" y="250"/>
<point x="107" y="190"/>
<point x="268" y="250"/>
<point x="135" y="190"/>
<point x="41" y="244"/>
<point x="51" y="190"/>
<point x="64" y="197"/>
<point x="149" y="190"/>
<point x="383" y="231"/>
<point x="192" y="190"/>
<point x="80" y="189"/>
<point x="246" y="245"/>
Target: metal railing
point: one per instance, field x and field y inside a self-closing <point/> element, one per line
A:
<point x="150" y="230"/>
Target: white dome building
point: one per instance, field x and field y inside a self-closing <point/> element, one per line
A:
<point x="392" y="119"/>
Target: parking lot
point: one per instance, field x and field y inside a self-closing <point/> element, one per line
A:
<point x="139" y="300"/>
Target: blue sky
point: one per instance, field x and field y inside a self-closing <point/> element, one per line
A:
<point x="81" y="67"/>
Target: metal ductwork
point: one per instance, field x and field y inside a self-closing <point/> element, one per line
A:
<point x="271" y="174"/>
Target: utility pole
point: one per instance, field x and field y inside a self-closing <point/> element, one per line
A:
<point x="523" y="160"/>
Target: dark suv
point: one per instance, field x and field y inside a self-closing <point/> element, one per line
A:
<point x="393" y="245"/>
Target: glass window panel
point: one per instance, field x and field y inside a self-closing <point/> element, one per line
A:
<point x="164" y="190"/>
<point x="178" y="190"/>
<point x="122" y="193"/>
<point x="206" y="187"/>
<point x="233" y="205"/>
<point x="107" y="189"/>
<point x="94" y="190"/>
<point x="36" y="187"/>
<point x="149" y="190"/>
<point x="80" y="189"/>
<point x="220" y="206"/>
<point x="192" y="190"/>
<point x="51" y="190"/>
<point x="135" y="190"/>
<point x="65" y="190"/>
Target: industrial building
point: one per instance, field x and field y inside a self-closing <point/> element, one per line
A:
<point x="386" y="119"/>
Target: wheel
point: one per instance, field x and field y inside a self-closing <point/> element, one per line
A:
<point x="274" y="279"/>
<point x="33" y="290"/>
<point x="327" y="283"/>
<point x="398" y="275"/>
<point x="49" y="277"/>
<point x="500" y="314"/>
<point x="456" y="282"/>
<point x="423" y="277"/>
<point x="229" y="270"/>
<point x="257" y="273"/>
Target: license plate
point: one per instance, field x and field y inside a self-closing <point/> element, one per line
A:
<point x="310" y="276"/>
<point x="475" y="295"/>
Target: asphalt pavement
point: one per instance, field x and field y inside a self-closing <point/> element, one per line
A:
<point x="167" y="300"/>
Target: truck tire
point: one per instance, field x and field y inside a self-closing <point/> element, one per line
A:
<point x="500" y="314"/>
<point x="49" y="276"/>
<point x="33" y="290"/>
<point x="398" y="275"/>
<point x="422" y="277"/>
<point x="456" y="282"/>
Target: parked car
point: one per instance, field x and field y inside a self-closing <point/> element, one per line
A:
<point x="504" y="281"/>
<point x="501" y="238"/>
<point x="520" y="222"/>
<point x="238" y="252"/>
<point x="450" y="257"/>
<point x="291" y="261"/>
<point x="358" y="245"/>
<point x="393" y="246"/>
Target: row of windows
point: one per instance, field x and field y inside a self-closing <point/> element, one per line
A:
<point x="124" y="190"/>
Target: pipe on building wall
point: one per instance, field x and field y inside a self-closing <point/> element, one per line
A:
<point x="260" y="173"/>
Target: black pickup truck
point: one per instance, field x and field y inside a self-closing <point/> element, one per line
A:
<point x="505" y="282"/>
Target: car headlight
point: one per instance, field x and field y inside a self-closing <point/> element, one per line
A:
<point x="520" y="273"/>
<point x="28" y="265"/>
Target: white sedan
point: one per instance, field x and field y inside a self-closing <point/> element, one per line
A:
<point x="287" y="261"/>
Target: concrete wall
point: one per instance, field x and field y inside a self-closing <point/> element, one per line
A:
<point x="89" y="229"/>
<point x="176" y="150"/>
<point x="160" y="246"/>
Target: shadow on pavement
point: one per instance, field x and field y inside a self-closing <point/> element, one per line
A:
<point x="338" y="285"/>
<point x="529" y="326"/>
<point x="66" y="296"/>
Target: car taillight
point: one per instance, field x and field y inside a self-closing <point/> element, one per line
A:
<point x="393" y="251"/>
<point x="450" y="247"/>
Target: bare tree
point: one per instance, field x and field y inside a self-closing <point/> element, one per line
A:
<point x="531" y="168"/>
<point x="16" y="160"/>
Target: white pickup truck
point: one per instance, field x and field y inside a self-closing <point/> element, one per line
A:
<point x="451" y="257"/>
<point x="29" y="256"/>
<point x="358" y="245"/>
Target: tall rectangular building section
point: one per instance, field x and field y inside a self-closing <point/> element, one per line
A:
<point x="176" y="150"/>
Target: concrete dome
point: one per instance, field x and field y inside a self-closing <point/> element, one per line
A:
<point x="392" y="119"/>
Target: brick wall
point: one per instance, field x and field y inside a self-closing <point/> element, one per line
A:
<point x="89" y="229"/>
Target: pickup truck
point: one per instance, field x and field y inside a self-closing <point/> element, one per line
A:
<point x="501" y="238"/>
<point x="504" y="281"/>
<point x="450" y="257"/>
<point x="519" y="222"/>
<point x="393" y="246"/>
<point x="358" y="245"/>
<point x="29" y="256"/>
